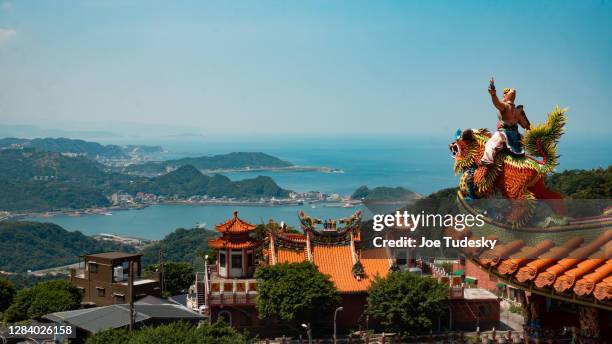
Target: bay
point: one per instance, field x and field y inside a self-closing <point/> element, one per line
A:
<point x="157" y="221"/>
<point x="422" y="164"/>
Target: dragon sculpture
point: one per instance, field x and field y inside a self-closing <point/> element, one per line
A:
<point x="518" y="178"/>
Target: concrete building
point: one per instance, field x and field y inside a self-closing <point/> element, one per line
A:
<point x="104" y="279"/>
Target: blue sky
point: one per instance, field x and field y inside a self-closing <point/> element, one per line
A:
<point x="301" y="67"/>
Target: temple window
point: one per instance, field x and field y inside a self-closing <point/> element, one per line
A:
<point x="237" y="261"/>
<point x="222" y="259"/>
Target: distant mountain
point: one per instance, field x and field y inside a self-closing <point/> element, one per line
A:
<point x="383" y="193"/>
<point x="189" y="181"/>
<point x="35" y="180"/>
<point x="91" y="150"/>
<point x="32" y="164"/>
<point x="32" y="131"/>
<point x="33" y="246"/>
<point x="236" y="160"/>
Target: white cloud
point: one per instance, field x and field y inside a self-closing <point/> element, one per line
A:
<point x="6" y="34"/>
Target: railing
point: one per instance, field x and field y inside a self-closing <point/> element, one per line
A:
<point x="224" y="291"/>
<point x="81" y="273"/>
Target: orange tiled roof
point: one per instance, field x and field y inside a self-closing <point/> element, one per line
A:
<point x="294" y="236"/>
<point x="232" y="243"/>
<point x="235" y="225"/>
<point x="287" y="255"/>
<point x="603" y="289"/>
<point x="574" y="267"/>
<point x="336" y="261"/>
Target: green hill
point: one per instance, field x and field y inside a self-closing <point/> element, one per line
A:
<point x="31" y="164"/>
<point x="583" y="184"/>
<point x="189" y="181"/>
<point x="182" y="245"/>
<point x="383" y="193"/>
<point x="236" y="160"/>
<point x="35" y="180"/>
<point x="33" y="246"/>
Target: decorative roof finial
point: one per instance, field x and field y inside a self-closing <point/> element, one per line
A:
<point x="235" y="213"/>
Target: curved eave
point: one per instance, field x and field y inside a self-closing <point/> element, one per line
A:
<point x="220" y="243"/>
<point x="548" y="292"/>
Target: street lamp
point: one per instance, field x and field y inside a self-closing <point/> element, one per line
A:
<point x="335" y="314"/>
<point x="205" y="308"/>
<point x="309" y="332"/>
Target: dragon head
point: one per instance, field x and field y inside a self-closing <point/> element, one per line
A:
<point x="468" y="147"/>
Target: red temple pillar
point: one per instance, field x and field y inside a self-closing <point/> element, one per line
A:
<point x="228" y="256"/>
<point x="244" y="263"/>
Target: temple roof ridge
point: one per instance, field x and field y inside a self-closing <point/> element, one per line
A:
<point x="235" y="225"/>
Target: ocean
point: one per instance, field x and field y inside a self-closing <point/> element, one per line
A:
<point x="422" y="165"/>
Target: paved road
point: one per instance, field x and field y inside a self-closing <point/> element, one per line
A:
<point x="52" y="270"/>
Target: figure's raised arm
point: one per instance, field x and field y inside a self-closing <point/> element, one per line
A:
<point x="499" y="105"/>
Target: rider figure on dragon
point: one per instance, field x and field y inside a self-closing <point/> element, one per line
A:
<point x="507" y="135"/>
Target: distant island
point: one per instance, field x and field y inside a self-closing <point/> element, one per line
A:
<point x="223" y="162"/>
<point x="384" y="193"/>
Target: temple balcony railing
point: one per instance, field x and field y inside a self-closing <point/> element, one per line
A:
<point x="217" y="291"/>
<point x="232" y="291"/>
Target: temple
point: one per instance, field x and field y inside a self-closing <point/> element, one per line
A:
<point x="236" y="256"/>
<point x="335" y="248"/>
<point x="229" y="290"/>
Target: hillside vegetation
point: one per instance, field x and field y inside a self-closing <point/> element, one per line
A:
<point x="236" y="160"/>
<point x="182" y="245"/>
<point x="43" y="181"/>
<point x="583" y="184"/>
<point x="384" y="193"/>
<point x="33" y="246"/>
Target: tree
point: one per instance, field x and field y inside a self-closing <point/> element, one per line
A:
<point x="406" y="302"/>
<point x="295" y="292"/>
<point x="182" y="245"/>
<point x="7" y="292"/>
<point x="178" y="332"/>
<point x="177" y="276"/>
<point x="43" y="298"/>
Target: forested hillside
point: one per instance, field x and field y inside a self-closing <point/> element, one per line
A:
<point x="33" y="246"/>
<point x="35" y="180"/>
